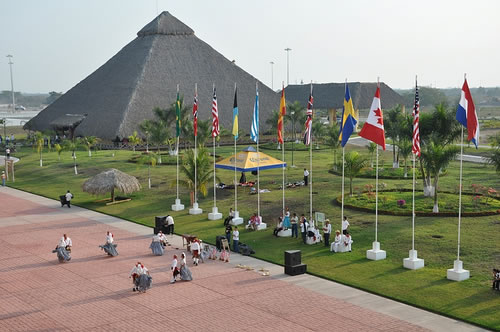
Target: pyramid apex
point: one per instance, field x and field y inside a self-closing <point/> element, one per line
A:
<point x="165" y="24"/>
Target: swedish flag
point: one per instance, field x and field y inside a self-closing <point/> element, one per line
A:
<point x="348" y="119"/>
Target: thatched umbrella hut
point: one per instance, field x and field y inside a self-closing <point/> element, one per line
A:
<point x="110" y="180"/>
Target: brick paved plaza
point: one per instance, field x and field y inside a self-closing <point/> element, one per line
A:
<point x="92" y="292"/>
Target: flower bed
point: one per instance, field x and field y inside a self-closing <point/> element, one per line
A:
<point x="398" y="203"/>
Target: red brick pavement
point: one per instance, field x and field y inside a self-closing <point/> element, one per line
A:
<point x="92" y="292"/>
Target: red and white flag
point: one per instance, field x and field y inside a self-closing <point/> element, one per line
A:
<point x="373" y="129"/>
<point x="215" y="116"/>
<point x="308" y="124"/>
<point x="195" y="112"/>
<point x="416" y="114"/>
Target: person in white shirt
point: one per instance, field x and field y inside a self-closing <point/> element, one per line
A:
<point x="63" y="249"/>
<point x="170" y="225"/>
<point x="236" y="239"/>
<point x="174" y="268"/>
<point x="303" y="227"/>
<point x="327" y="230"/>
<point x="156" y="246"/>
<point x="67" y="199"/>
<point x="140" y="277"/>
<point x="335" y="247"/>
<point x="185" y="272"/>
<point x="195" y="249"/>
<point x="347" y="241"/>
<point x="163" y="239"/>
<point x="306" y="177"/>
<point x="109" y="247"/>
<point x="345" y="225"/>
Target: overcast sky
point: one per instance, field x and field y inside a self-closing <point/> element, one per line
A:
<point x="57" y="43"/>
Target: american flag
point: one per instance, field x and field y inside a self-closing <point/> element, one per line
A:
<point x="195" y="112"/>
<point x="308" y="124"/>
<point x="416" y="113"/>
<point x="215" y="116"/>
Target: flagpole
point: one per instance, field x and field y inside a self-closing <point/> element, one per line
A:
<point x="376" y="199"/>
<point x="283" y="168"/>
<point x="413" y="209"/>
<point x="310" y="165"/>
<point x="258" y="158"/>
<point x="215" y="191"/>
<point x="460" y="191"/>
<point x="195" y="155"/>
<point x="177" y="206"/>
<point x="343" y="164"/>
<point x="235" y="183"/>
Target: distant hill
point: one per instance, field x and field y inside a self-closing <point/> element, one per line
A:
<point x="432" y="96"/>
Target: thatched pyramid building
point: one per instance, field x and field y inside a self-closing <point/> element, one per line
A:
<point x="120" y="94"/>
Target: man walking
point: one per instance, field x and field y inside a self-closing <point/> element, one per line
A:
<point x="327" y="230"/>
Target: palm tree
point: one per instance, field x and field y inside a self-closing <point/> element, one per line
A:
<point x="404" y="147"/>
<point x="393" y="119"/>
<point x="494" y="157"/>
<point x="134" y="139"/>
<point x="354" y="163"/>
<point x="296" y="113"/>
<point x="372" y="147"/>
<point x="436" y="158"/>
<point x="72" y="145"/>
<point x="318" y="132"/>
<point x="204" y="171"/>
<point x="146" y="127"/>
<point x="159" y="135"/>
<point x="89" y="142"/>
<point x="204" y="131"/>
<point x="39" y="142"/>
<point x="149" y="159"/>
<point x="332" y="140"/>
<point x="272" y="122"/>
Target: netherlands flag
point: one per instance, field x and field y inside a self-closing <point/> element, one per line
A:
<point x="466" y="115"/>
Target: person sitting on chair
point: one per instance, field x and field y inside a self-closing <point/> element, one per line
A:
<point x="279" y="227"/>
<point x="254" y="222"/>
<point x="229" y="217"/>
<point x="335" y="247"/>
<point x="348" y="241"/>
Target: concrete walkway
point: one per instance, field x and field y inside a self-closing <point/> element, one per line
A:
<point x="92" y="291"/>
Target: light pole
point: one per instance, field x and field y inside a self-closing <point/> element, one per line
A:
<point x="293" y="140"/>
<point x="12" y="83"/>
<point x="272" y="75"/>
<point x="288" y="49"/>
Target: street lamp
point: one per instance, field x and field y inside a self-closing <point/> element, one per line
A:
<point x="272" y="75"/>
<point x="288" y="49"/>
<point x="12" y="83"/>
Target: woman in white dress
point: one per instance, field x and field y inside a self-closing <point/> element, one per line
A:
<point x="185" y="271"/>
<point x="156" y="246"/>
<point x="63" y="249"/>
<point x="110" y="247"/>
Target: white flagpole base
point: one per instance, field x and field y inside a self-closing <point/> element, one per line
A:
<point x="375" y="254"/>
<point x="413" y="262"/>
<point x="177" y="206"/>
<point x="237" y="220"/>
<point x="215" y="214"/>
<point x="195" y="209"/>
<point x="457" y="273"/>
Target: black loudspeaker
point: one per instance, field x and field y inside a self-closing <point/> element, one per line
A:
<point x="160" y="221"/>
<point x="292" y="257"/>
<point x="218" y="240"/>
<point x="296" y="269"/>
<point x="156" y="230"/>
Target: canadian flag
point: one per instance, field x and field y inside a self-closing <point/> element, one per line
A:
<point x="373" y="129"/>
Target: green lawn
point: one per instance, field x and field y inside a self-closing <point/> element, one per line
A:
<point x="471" y="300"/>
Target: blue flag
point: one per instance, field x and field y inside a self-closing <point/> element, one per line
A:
<point x="254" y="131"/>
<point x="348" y="119"/>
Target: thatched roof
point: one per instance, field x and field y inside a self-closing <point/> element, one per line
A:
<point x="67" y="121"/>
<point x="120" y="94"/>
<point x="331" y="95"/>
<point x="111" y="179"/>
